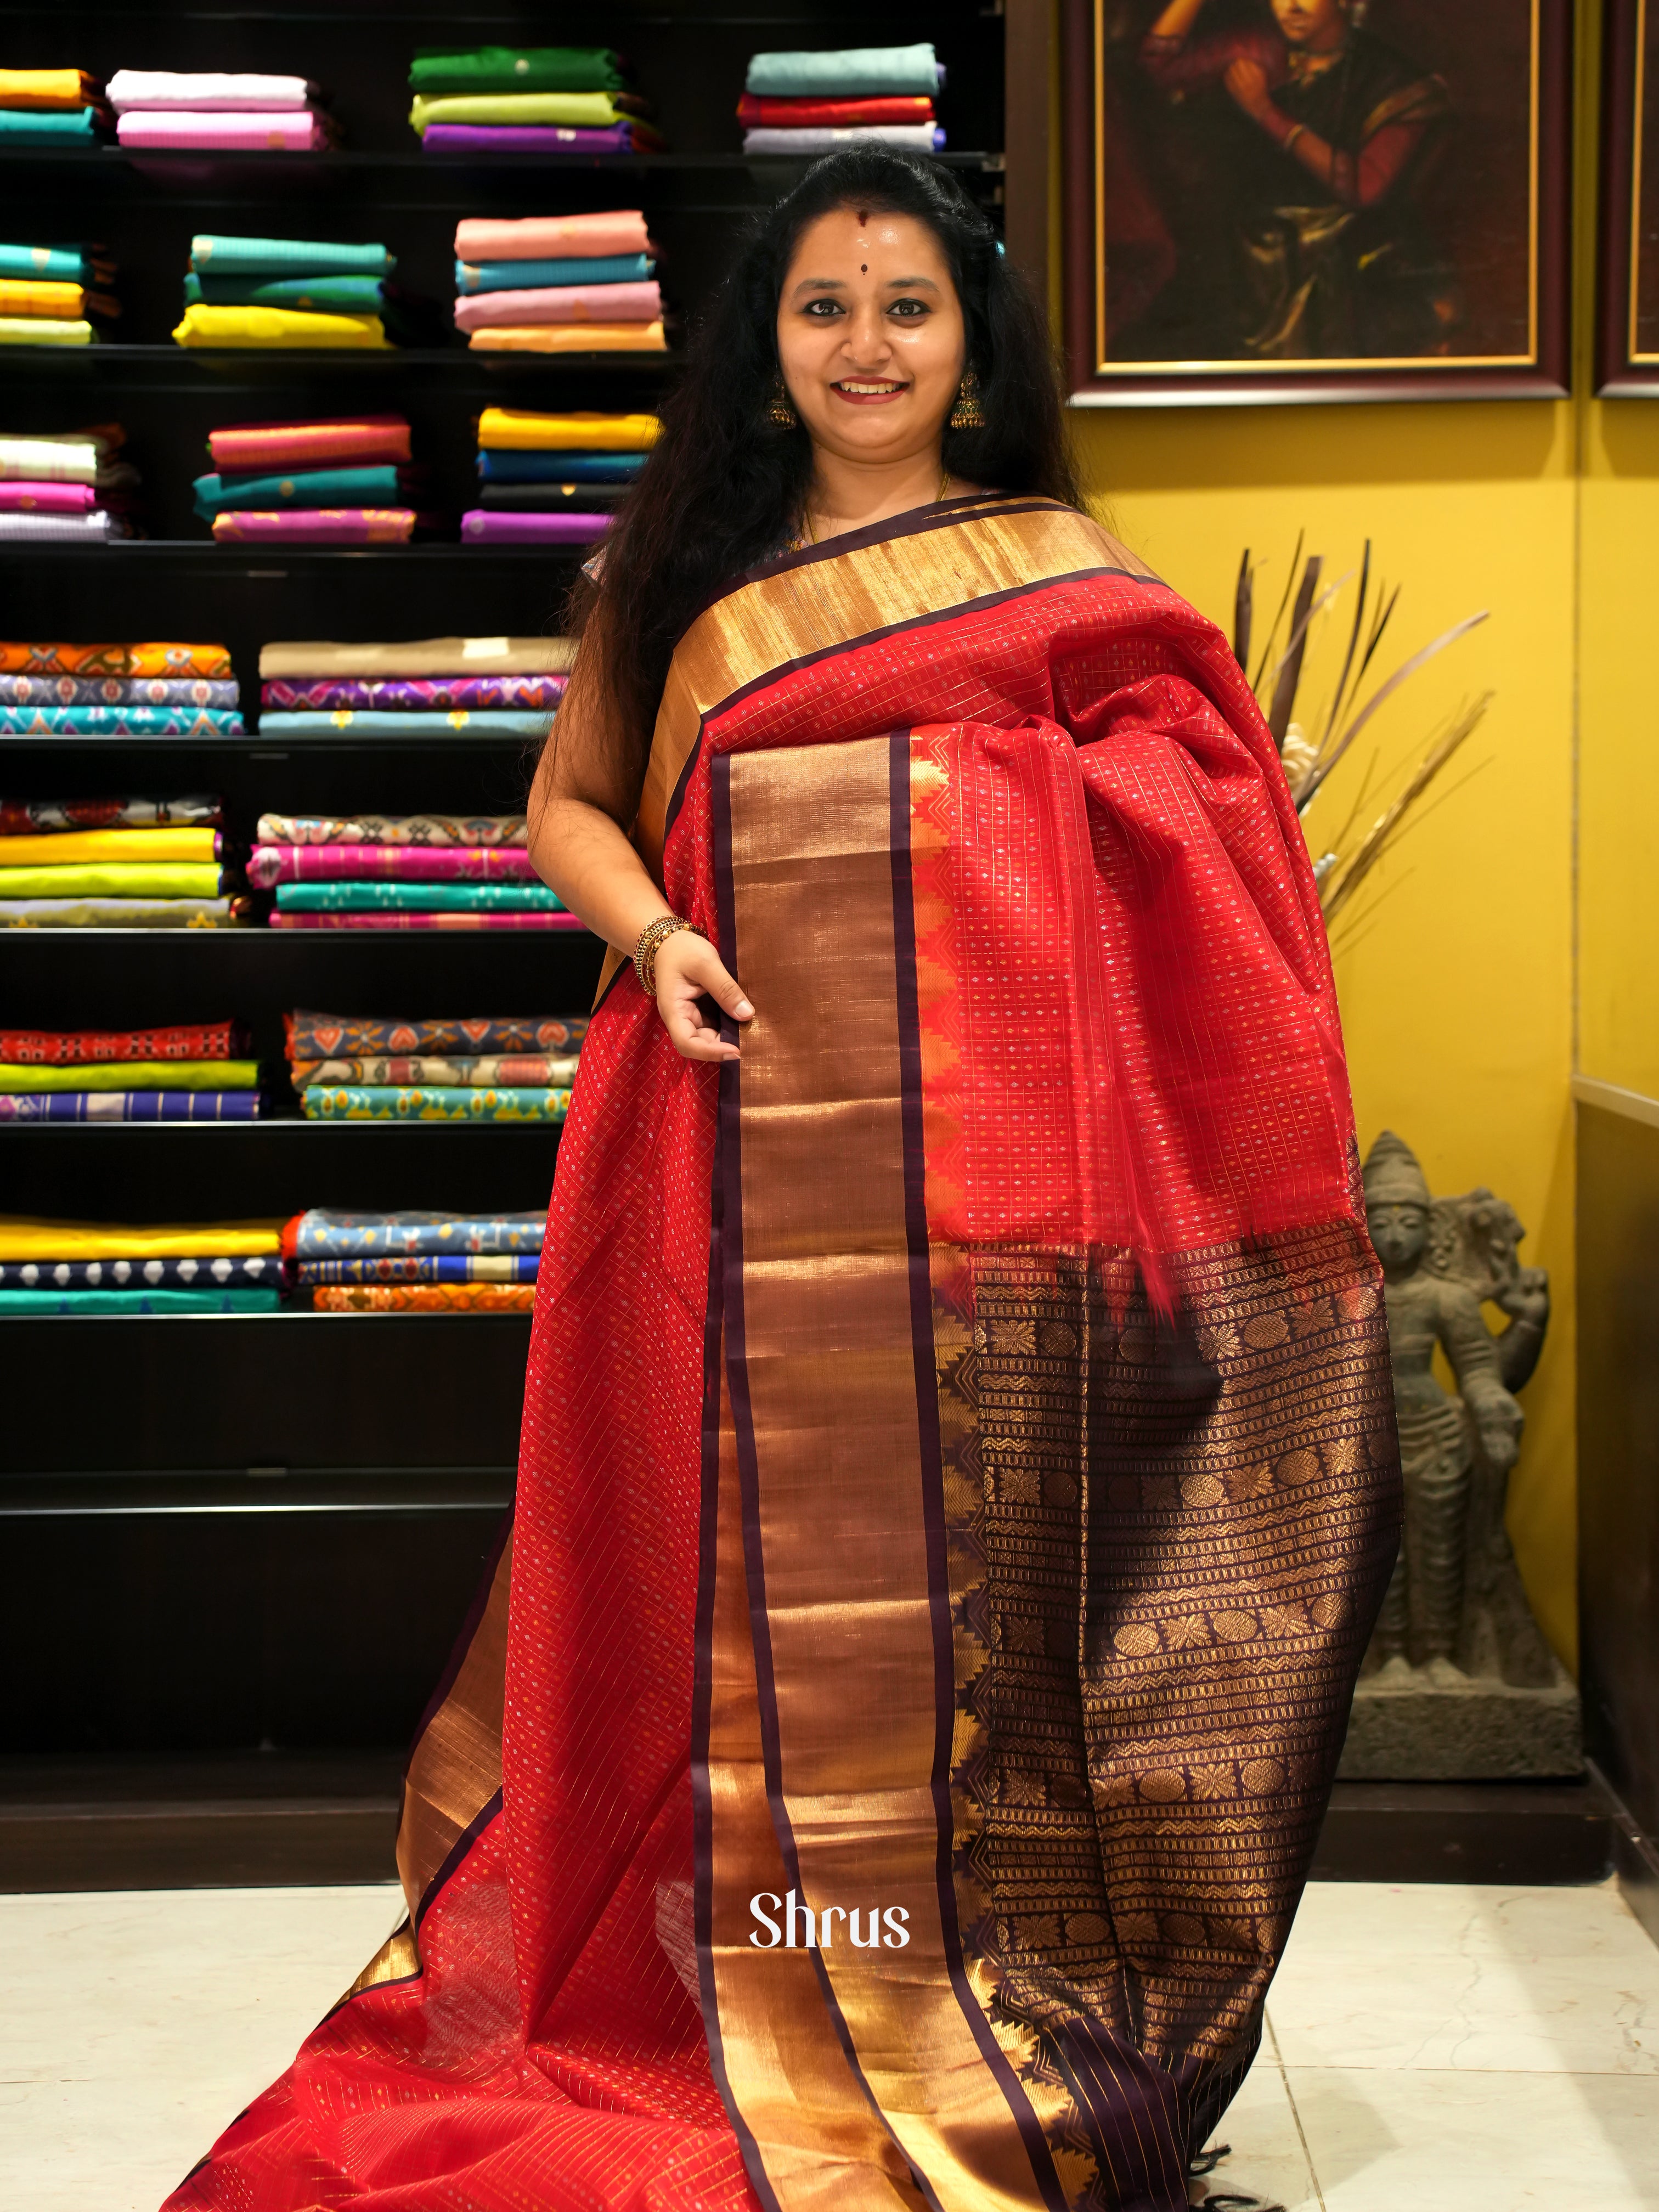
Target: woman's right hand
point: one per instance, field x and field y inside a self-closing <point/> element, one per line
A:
<point x="689" y="969"/>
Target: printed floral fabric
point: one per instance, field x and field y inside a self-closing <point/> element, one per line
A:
<point x="516" y="1070"/>
<point x="328" y="1036"/>
<point x="426" y="1298"/>
<point x="436" y="693"/>
<point x="420" y="1103"/>
<point x="224" y="1272"/>
<point x="323" y="1235"/>
<point x="164" y="660"/>
<point x="24" y="817"/>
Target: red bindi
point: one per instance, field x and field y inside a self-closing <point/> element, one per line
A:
<point x="864" y="268"/>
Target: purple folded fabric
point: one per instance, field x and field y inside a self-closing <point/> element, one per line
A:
<point x="561" y="303"/>
<point x="18" y="497"/>
<point x="524" y="138"/>
<point x="296" y="132"/>
<point x="490" y="527"/>
<point x="544" y="918"/>
<point x="439" y="693"/>
<point x="270" y="865"/>
<point x="317" y="525"/>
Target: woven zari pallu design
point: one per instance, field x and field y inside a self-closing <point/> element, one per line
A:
<point x="958" y="1471"/>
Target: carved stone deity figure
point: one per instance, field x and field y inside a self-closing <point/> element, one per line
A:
<point x="1459" y="1682"/>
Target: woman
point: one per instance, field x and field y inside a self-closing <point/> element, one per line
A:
<point x="958" y="1471"/>
<point x="1311" y="250"/>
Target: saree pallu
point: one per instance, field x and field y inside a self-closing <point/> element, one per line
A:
<point x="314" y="1035"/>
<point x="958" y="1475"/>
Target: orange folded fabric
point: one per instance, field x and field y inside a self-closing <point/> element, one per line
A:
<point x="29" y="295"/>
<point x="570" y="337"/>
<point x="424" y="1297"/>
<point x="165" y="659"/>
<point x="551" y="237"/>
<point x="58" y="87"/>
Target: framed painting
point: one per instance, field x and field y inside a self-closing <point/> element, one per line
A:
<point x="1317" y="199"/>
<point x="1627" y="349"/>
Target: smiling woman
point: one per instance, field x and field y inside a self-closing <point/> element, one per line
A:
<point x="959" y="1467"/>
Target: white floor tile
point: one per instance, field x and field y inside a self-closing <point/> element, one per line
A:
<point x="1268" y="2159"/>
<point x="134" y="2027"/>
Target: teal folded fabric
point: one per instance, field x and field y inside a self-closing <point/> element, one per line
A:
<point x="337" y="295"/>
<point x="430" y="1102"/>
<point x="857" y="73"/>
<point x="45" y="126"/>
<point x="286" y="256"/>
<point x="123" y="721"/>
<point x="527" y="275"/>
<point x="473" y="721"/>
<point x="16" y="1303"/>
<point x="46" y="264"/>
<point x="364" y="487"/>
<point x="418" y="898"/>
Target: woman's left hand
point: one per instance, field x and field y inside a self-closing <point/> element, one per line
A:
<point x="1247" y="82"/>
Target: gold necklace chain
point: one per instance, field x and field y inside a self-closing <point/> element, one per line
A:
<point x="944" y="486"/>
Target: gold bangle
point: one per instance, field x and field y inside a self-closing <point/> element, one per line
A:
<point x="1291" y="137"/>
<point x="654" y="934"/>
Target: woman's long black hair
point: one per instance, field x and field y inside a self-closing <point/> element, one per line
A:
<point x="724" y="489"/>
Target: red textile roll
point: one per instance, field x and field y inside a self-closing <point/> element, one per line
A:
<point x="756" y="112"/>
<point x="81" y="1047"/>
<point x="250" y="447"/>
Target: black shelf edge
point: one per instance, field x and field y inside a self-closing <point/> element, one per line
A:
<point x="231" y="557"/>
<point x="285" y="1317"/>
<point x="10" y="1131"/>
<point x="95" y="159"/>
<point x="215" y="361"/>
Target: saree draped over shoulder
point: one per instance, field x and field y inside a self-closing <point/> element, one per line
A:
<point x="958" y="1472"/>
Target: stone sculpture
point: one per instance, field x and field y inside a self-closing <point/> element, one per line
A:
<point x="1459" y="1683"/>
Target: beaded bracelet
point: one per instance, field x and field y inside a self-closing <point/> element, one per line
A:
<point x="654" y="934"/>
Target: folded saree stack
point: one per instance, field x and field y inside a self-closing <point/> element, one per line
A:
<point x="415" y="1262"/>
<point x="406" y="871"/>
<point x="51" y="295"/>
<point x="485" y="687"/>
<point x="208" y="110"/>
<point x="78" y="1267"/>
<point x="494" y="1068"/>
<point x="483" y="101"/>
<point x="70" y="488"/>
<point x="340" y="483"/>
<point x="811" y="103"/>
<point x="201" y="1072"/>
<point x="117" y="864"/>
<point x="155" y="689"/>
<point x="51" y="108"/>
<point x="576" y="284"/>
<point x="553" y="479"/>
<point x="282" y="293"/>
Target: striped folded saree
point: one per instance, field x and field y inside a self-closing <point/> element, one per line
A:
<point x="958" y="1475"/>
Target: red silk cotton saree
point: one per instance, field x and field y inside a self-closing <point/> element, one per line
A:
<point x="958" y="1471"/>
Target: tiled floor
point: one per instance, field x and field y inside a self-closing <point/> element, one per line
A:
<point x="1430" y="2050"/>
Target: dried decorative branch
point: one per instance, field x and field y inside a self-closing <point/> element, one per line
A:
<point x="1341" y="883"/>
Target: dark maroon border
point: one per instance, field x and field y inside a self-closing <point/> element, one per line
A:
<point x="1549" y="377"/>
<point x="1617" y="377"/>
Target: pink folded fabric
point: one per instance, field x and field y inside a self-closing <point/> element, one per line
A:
<point x="317" y="525"/>
<point x="561" y="303"/>
<point x="17" y="496"/>
<point x="300" y="132"/>
<point x="271" y="864"/>
<point x="483" y="525"/>
<point x="537" y="919"/>
<point x="551" y="237"/>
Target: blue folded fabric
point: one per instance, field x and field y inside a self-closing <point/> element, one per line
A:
<point x="376" y="486"/>
<point x="497" y="465"/>
<point x="119" y="722"/>
<point x="46" y="264"/>
<point x="331" y="296"/>
<point x="856" y="73"/>
<point x="474" y="721"/>
<point x="45" y="126"/>
<point x="527" y="275"/>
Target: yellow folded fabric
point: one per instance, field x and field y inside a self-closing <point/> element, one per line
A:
<point x="569" y="337"/>
<point x="206" y="325"/>
<point x="75" y="846"/>
<point x="44" y="330"/>
<point x="114" y="879"/>
<point x="24" y="1236"/>
<point x="420" y="656"/>
<point x="132" y="1075"/>
<point x="579" y="111"/>
<point x="58" y="87"/>
<point x="587" y="433"/>
<point x="29" y="295"/>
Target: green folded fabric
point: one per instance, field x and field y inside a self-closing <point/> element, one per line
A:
<point x="133" y="1075"/>
<point x="418" y="898"/>
<point x="430" y="1102"/>
<point x="364" y="487"/>
<point x="114" y="879"/>
<point x="78" y="125"/>
<point x="286" y="256"/>
<point x="254" y="1300"/>
<point x="517" y="69"/>
<point x="343" y="296"/>
<point x="578" y="110"/>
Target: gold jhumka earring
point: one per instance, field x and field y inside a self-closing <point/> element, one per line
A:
<point x="969" y="413"/>
<point x="779" y="413"/>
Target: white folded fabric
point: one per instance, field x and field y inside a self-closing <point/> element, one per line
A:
<point x="205" y="88"/>
<point x="49" y="460"/>
<point x="70" y="529"/>
<point x="920" y="137"/>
